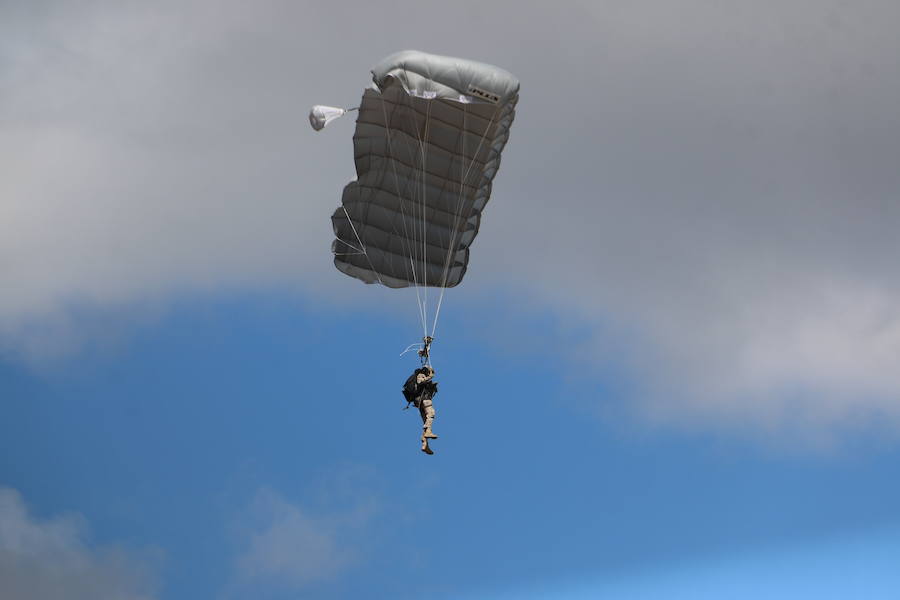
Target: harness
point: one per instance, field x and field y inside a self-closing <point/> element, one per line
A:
<point x="411" y="389"/>
<point x="415" y="392"/>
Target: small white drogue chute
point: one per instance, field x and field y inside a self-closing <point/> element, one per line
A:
<point x="320" y="116"/>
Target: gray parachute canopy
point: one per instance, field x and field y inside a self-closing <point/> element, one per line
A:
<point x="427" y="146"/>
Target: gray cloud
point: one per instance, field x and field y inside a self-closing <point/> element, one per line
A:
<point x="740" y="211"/>
<point x="50" y="560"/>
<point x="715" y="182"/>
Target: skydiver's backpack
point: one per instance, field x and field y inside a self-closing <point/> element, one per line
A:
<point x="410" y="388"/>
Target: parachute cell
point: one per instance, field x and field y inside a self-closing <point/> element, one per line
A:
<point x="428" y="140"/>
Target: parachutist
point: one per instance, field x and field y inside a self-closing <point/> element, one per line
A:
<point x="419" y="390"/>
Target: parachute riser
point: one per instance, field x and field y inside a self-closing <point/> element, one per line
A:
<point x="425" y="352"/>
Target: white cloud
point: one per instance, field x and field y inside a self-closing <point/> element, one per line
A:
<point x="50" y="560"/>
<point x="286" y="544"/>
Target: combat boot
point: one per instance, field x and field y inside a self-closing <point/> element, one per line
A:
<point x="429" y="434"/>
<point x="426" y="448"/>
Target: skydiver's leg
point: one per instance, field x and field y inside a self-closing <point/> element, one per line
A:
<point x="428" y="419"/>
<point x="423" y="413"/>
<point x="426" y="411"/>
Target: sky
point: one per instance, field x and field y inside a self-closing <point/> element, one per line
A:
<point x="669" y="372"/>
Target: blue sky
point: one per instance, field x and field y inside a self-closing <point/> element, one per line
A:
<point x="670" y="371"/>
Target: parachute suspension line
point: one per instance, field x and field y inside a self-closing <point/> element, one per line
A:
<point x="452" y="241"/>
<point x="458" y="213"/>
<point x="418" y="216"/>
<point x="421" y="223"/>
<point x="425" y="352"/>
<point x="418" y="205"/>
<point x="359" y="252"/>
<point x="363" y="246"/>
<point x="423" y="146"/>
<point x="387" y="129"/>
<point x="420" y="219"/>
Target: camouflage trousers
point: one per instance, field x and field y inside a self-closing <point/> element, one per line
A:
<point x="426" y="411"/>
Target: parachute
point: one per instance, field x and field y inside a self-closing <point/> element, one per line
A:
<point x="429" y="135"/>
